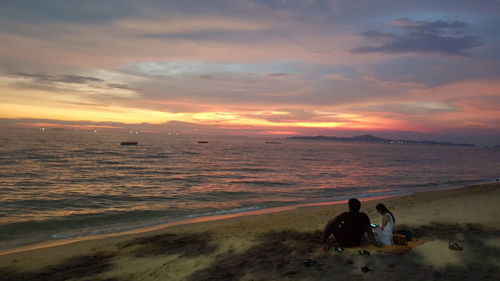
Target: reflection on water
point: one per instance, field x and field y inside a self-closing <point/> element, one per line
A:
<point x="66" y="183"/>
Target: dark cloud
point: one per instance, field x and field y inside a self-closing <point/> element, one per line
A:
<point x="43" y="80"/>
<point x="65" y="78"/>
<point x="437" y="37"/>
<point x="120" y="86"/>
<point x="279" y="74"/>
<point x="433" y="27"/>
<point x="241" y="35"/>
<point x="77" y="79"/>
<point x="219" y="78"/>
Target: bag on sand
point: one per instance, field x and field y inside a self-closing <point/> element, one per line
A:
<point x="406" y="233"/>
<point x="399" y="239"/>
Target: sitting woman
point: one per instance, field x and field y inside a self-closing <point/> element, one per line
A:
<point x="383" y="233"/>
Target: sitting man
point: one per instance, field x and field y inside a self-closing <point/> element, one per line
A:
<point x="349" y="227"/>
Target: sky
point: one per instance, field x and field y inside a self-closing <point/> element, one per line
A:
<point x="399" y="69"/>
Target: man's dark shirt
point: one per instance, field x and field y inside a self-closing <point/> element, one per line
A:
<point x="352" y="226"/>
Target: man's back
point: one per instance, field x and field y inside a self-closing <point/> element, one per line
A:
<point x="352" y="227"/>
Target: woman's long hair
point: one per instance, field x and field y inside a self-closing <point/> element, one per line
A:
<point x="383" y="209"/>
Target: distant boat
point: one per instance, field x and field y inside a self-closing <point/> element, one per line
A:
<point x="273" y="142"/>
<point x="202" y="141"/>
<point x="129" y="143"/>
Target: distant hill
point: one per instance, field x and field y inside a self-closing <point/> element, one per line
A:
<point x="370" y="138"/>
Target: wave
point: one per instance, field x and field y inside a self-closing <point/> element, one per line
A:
<point x="263" y="183"/>
<point x="452" y="182"/>
<point x="116" y="229"/>
<point x="225" y="212"/>
<point x="249" y="170"/>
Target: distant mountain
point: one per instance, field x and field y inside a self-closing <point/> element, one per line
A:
<point x="370" y="138"/>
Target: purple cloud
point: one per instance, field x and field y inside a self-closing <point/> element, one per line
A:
<point x="436" y="37"/>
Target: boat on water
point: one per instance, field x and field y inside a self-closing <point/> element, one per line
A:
<point x="202" y="141"/>
<point x="273" y="142"/>
<point x="129" y="143"/>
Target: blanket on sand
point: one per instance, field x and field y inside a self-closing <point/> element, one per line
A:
<point x="394" y="249"/>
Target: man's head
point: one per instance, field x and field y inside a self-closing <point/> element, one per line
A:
<point x="354" y="205"/>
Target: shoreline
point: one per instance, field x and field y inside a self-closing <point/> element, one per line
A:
<point x="165" y="226"/>
<point x="281" y="246"/>
<point x="201" y="219"/>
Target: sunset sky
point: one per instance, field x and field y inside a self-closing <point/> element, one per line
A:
<point x="400" y="69"/>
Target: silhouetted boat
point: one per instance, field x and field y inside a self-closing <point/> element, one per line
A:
<point x="273" y="142"/>
<point x="129" y="143"/>
<point x="202" y="141"/>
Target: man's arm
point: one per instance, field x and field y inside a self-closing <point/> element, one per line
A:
<point x="329" y="228"/>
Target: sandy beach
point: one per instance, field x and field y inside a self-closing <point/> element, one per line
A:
<point x="282" y="246"/>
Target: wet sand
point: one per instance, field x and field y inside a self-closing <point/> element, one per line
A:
<point x="282" y="246"/>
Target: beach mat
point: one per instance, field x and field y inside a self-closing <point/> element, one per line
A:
<point x="395" y="249"/>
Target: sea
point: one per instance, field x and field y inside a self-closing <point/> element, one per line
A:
<point x="60" y="184"/>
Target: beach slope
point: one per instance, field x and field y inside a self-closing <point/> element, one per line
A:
<point x="282" y="246"/>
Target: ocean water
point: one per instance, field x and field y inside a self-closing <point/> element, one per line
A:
<point x="60" y="184"/>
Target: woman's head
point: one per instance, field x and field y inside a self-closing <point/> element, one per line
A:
<point x="381" y="208"/>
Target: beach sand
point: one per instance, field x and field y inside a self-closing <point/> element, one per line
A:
<point x="282" y="246"/>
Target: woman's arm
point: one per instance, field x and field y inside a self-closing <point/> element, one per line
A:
<point x="385" y="219"/>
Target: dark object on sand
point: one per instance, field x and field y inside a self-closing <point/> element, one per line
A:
<point x="407" y="233"/>
<point x="366" y="269"/>
<point x="364" y="253"/>
<point x="339" y="249"/>
<point x="129" y="143"/>
<point x="308" y="263"/>
<point x="452" y="245"/>
<point x="273" y="142"/>
<point x="202" y="141"/>
<point x="399" y="239"/>
<point x="323" y="246"/>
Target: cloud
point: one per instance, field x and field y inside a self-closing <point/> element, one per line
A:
<point x="66" y="78"/>
<point x="185" y="25"/>
<point x="339" y="77"/>
<point x="40" y="80"/>
<point x="264" y="63"/>
<point x="279" y="75"/>
<point x="182" y="68"/>
<point x="411" y="108"/>
<point x="119" y="86"/>
<point x="434" y="27"/>
<point x="294" y="115"/>
<point x="435" y="37"/>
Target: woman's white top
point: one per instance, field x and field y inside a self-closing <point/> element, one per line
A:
<point x="384" y="237"/>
